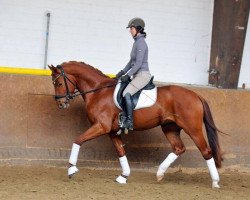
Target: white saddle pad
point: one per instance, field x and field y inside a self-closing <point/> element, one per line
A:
<point x="147" y="97"/>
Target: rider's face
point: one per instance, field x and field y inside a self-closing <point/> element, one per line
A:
<point x="132" y="31"/>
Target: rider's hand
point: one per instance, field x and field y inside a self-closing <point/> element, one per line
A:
<point x="120" y="73"/>
<point x="125" y="78"/>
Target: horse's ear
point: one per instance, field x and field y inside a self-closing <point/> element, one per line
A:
<point x="50" y="67"/>
<point x="53" y="68"/>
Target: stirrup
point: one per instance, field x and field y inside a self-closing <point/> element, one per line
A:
<point x="122" y="120"/>
<point x="129" y="124"/>
<point x="122" y="130"/>
<point x="130" y="127"/>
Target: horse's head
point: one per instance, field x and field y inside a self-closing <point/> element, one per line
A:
<point x="64" y="84"/>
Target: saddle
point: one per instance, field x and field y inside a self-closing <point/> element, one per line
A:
<point x="145" y="97"/>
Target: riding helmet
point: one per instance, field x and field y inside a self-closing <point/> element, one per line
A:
<point x="137" y="23"/>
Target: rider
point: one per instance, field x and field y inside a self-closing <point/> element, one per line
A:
<point x="136" y="69"/>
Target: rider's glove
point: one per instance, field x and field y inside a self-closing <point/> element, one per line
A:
<point x="125" y="78"/>
<point x="120" y="73"/>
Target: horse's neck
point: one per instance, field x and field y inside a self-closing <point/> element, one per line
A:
<point x="89" y="79"/>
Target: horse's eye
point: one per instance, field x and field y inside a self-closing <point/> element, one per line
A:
<point x="58" y="84"/>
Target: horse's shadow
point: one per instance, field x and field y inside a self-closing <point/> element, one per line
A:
<point x="176" y="178"/>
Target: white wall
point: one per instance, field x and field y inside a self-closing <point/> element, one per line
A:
<point x="245" y="65"/>
<point x="179" y="35"/>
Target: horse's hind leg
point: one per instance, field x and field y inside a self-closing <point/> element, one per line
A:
<point x="172" y="133"/>
<point x="117" y="141"/>
<point x="199" y="140"/>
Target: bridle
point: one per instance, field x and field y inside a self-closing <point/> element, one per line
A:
<point x="69" y="95"/>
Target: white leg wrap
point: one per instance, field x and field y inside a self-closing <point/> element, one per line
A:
<point x="74" y="154"/>
<point x="125" y="170"/>
<point x="72" y="170"/>
<point x="213" y="173"/>
<point x="121" y="179"/>
<point x="125" y="166"/>
<point x="166" y="163"/>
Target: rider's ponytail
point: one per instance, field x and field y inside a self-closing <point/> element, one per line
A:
<point x="143" y="32"/>
<point x="140" y="30"/>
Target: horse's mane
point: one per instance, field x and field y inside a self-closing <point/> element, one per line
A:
<point x="99" y="72"/>
<point x="95" y="69"/>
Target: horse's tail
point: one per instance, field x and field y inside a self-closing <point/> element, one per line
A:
<point x="212" y="134"/>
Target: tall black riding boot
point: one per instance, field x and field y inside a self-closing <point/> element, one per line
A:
<point x="129" y="111"/>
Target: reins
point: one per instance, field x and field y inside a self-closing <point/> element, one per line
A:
<point x="69" y="95"/>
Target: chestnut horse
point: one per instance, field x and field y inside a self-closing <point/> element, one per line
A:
<point x="176" y="108"/>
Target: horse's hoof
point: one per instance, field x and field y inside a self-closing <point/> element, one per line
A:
<point x="121" y="180"/>
<point x="160" y="174"/>
<point x="215" y="184"/>
<point x="71" y="175"/>
<point x="71" y="171"/>
<point x="159" y="177"/>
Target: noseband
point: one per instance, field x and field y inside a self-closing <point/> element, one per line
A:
<point x="69" y="95"/>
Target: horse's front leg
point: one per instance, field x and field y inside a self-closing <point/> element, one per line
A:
<point x="117" y="141"/>
<point x="93" y="132"/>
